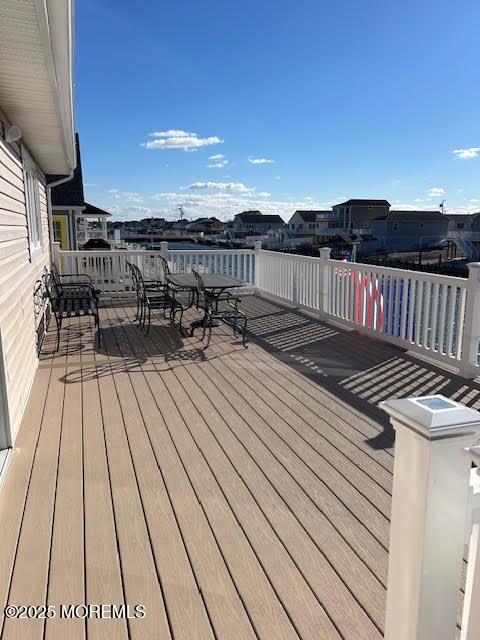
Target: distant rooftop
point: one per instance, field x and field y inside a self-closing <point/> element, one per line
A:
<point x="360" y="202"/>
<point x="310" y="215"/>
<point x="92" y="210"/>
<point x="427" y="216"/>
<point x="258" y="217"/>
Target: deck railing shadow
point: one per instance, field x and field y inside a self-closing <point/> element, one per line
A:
<point x="358" y="370"/>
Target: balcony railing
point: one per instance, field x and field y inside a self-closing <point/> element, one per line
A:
<point x="434" y="315"/>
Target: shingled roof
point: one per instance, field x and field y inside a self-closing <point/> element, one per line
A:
<point x="310" y="215"/>
<point x="427" y="216"/>
<point x="92" y="210"/>
<point x="69" y="194"/>
<point x="364" y="203"/>
<point x="255" y="217"/>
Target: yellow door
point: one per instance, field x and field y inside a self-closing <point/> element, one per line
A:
<point x="60" y="232"/>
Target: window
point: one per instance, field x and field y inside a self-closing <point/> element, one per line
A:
<point x="395" y="226"/>
<point x="460" y="225"/>
<point x="32" y="201"/>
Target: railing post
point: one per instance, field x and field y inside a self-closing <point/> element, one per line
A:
<point x="323" y="281"/>
<point x="257" y="247"/>
<point x="471" y="324"/>
<point x="164" y="249"/>
<point x="429" y="508"/>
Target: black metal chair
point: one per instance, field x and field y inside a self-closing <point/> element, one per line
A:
<point x="222" y="306"/>
<point x="72" y="285"/>
<point x="154" y="295"/>
<point x="69" y="306"/>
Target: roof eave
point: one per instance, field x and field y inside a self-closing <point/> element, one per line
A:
<point x="56" y="20"/>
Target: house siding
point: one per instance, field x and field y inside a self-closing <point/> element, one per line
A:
<point x="18" y="275"/>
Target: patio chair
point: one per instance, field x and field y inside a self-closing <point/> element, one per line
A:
<point x="69" y="306"/>
<point x="219" y="307"/>
<point x="73" y="285"/>
<point x="154" y="295"/>
<point x="177" y="292"/>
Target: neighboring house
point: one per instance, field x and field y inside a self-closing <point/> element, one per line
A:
<point x="464" y="231"/>
<point x="409" y="230"/>
<point x="36" y="138"/>
<point x="92" y="224"/>
<point x="461" y="221"/>
<point x="309" y="224"/>
<point x="356" y="213"/>
<point x="68" y="202"/>
<point x="206" y="225"/>
<point x="255" y="223"/>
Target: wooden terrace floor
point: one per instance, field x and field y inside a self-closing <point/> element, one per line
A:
<point x="236" y="494"/>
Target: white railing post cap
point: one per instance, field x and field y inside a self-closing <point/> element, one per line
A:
<point x="325" y="253"/>
<point x="433" y="417"/>
<point x="258" y="245"/>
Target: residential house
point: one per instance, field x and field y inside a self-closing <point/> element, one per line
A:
<point x="307" y="225"/>
<point x="255" y="223"/>
<point x="92" y="224"/>
<point x="208" y="226"/>
<point x="464" y="231"/>
<point x="36" y="138"/>
<point x="356" y="213"/>
<point x="409" y="230"/>
<point x="68" y="202"/>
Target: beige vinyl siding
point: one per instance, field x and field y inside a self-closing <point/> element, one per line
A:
<point x="18" y="275"/>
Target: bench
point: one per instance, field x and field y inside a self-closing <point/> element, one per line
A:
<point x="78" y="301"/>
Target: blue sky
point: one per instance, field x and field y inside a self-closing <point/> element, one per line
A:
<point x="345" y="99"/>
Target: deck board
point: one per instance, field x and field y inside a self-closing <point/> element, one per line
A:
<point x="235" y="493"/>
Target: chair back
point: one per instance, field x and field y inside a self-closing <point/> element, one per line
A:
<point x="133" y="274"/>
<point x="165" y="268"/>
<point x="138" y="277"/>
<point x="56" y="278"/>
<point x="52" y="290"/>
<point x="202" y="298"/>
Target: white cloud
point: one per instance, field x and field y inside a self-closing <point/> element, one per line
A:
<point x="437" y="191"/>
<point x="217" y="164"/>
<point x="221" y="186"/>
<point x="466" y="154"/>
<point x="129" y="196"/>
<point x="277" y="177"/>
<point x="179" y="139"/>
<point x="217" y="156"/>
<point x="264" y="194"/>
<point x="260" y="161"/>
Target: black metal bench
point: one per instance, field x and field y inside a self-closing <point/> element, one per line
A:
<point x="79" y="301"/>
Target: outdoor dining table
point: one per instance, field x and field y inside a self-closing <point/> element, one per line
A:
<point x="214" y="282"/>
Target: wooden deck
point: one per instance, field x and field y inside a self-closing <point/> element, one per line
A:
<point x="236" y="494"/>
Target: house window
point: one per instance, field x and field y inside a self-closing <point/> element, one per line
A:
<point x="395" y="226"/>
<point x="32" y="201"/>
<point x="460" y="225"/>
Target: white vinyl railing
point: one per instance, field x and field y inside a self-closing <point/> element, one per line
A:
<point x="435" y="315"/>
<point x="417" y="310"/>
<point x="109" y="272"/>
<point x="422" y="312"/>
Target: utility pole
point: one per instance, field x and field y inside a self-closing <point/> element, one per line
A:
<point x="442" y="206"/>
<point x="182" y="212"/>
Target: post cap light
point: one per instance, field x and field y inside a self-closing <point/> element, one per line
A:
<point x="433" y="416"/>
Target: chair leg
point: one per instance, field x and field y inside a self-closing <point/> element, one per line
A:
<point x="209" y="334"/>
<point x="59" y="325"/>
<point x="149" y="321"/>
<point x="99" y="331"/>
